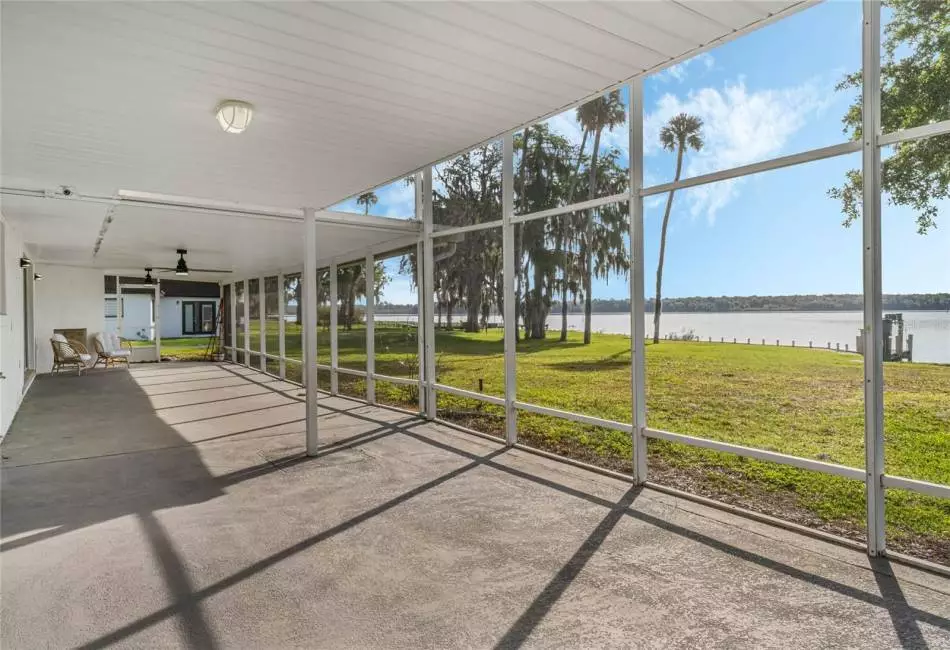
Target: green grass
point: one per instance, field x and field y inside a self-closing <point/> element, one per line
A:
<point x="802" y="402"/>
<point x="183" y="349"/>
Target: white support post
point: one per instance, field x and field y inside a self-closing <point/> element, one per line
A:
<point x="420" y="320"/>
<point x="637" y="300"/>
<point x="508" y="275"/>
<point x="120" y="307"/>
<point x="309" y="279"/>
<point x="247" y="323"/>
<point x="232" y="308"/>
<point x="428" y="290"/>
<point x="421" y="314"/>
<point x="334" y="340"/>
<point x="157" y="320"/>
<point x="281" y="325"/>
<point x="370" y="274"/>
<point x="873" y="305"/>
<point x="261" y="323"/>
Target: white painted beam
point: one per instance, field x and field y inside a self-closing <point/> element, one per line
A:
<point x="873" y="300"/>
<point x="232" y="309"/>
<point x="261" y="323"/>
<point x="427" y="308"/>
<point x="637" y="299"/>
<point x="282" y="325"/>
<point x="334" y="338"/>
<point x="309" y="278"/>
<point x="508" y="274"/>
<point x="370" y="273"/>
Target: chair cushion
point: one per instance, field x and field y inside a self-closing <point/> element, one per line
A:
<point x="121" y="353"/>
<point x="115" y="342"/>
<point x="85" y="357"/>
<point x="59" y="338"/>
<point x="104" y="342"/>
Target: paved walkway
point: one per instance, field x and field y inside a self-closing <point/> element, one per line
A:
<point x="172" y="506"/>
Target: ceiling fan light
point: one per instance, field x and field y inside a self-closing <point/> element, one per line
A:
<point x="181" y="268"/>
<point x="234" y="116"/>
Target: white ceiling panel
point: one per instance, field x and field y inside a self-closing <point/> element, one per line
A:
<point x="140" y="236"/>
<point x="56" y="229"/>
<point x="609" y="18"/>
<point x="105" y="96"/>
<point x="735" y="14"/>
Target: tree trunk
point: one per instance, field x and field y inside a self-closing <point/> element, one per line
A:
<point x="564" y="312"/>
<point x="471" y="317"/>
<point x="351" y="306"/>
<point x="538" y="322"/>
<point x="517" y="227"/>
<point x="565" y="228"/>
<point x="473" y="301"/>
<point x="298" y="289"/>
<point x="589" y="235"/>
<point x="657" y="301"/>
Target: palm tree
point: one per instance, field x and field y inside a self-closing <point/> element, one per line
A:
<point x="680" y="132"/>
<point x="596" y="115"/>
<point x="367" y="200"/>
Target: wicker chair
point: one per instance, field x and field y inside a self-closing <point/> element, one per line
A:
<point x="69" y="354"/>
<point x="109" y="349"/>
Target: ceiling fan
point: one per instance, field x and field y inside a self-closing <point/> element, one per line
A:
<point x="182" y="267"/>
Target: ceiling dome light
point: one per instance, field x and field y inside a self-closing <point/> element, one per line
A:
<point x="234" y="116"/>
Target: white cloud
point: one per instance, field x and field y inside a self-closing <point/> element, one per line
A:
<point x="739" y="127"/>
<point x="398" y="199"/>
<point x="680" y="71"/>
<point x="399" y="290"/>
<point x="566" y="124"/>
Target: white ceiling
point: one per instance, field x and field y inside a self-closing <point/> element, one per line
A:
<point x="108" y="96"/>
<point x="137" y="236"/>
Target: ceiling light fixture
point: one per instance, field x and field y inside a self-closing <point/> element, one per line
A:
<point x="234" y="115"/>
<point x="148" y="276"/>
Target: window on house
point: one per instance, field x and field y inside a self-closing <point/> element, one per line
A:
<point x="197" y="317"/>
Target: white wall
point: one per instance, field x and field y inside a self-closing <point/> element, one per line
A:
<point x="66" y="297"/>
<point x="170" y="317"/>
<point x="137" y="317"/>
<point x="11" y="325"/>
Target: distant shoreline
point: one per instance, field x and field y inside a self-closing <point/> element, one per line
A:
<point x="557" y="312"/>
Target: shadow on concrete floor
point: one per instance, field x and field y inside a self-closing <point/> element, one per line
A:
<point x="178" y="477"/>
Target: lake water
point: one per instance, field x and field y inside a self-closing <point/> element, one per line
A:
<point x="931" y="329"/>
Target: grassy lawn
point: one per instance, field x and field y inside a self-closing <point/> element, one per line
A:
<point x="796" y="401"/>
<point x="182" y="349"/>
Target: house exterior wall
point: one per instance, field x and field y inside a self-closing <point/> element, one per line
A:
<point x="137" y="320"/>
<point x="66" y="297"/>
<point x="12" y="329"/>
<point x="171" y="315"/>
<point x="137" y="317"/>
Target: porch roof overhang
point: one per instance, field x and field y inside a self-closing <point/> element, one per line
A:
<point x="109" y="98"/>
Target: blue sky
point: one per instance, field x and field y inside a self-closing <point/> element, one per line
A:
<point x="764" y="95"/>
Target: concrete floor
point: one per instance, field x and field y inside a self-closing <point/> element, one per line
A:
<point x="171" y="507"/>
